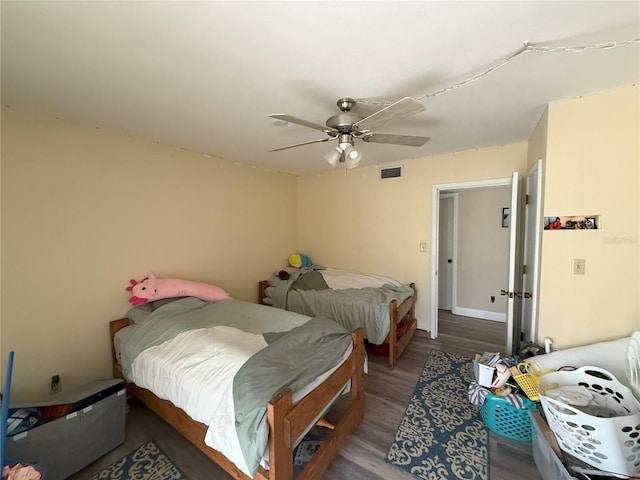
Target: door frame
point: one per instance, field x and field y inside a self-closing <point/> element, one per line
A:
<point x="514" y="282"/>
<point x="437" y="190"/>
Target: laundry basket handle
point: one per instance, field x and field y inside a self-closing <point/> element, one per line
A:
<point x="599" y="373"/>
<point x="562" y="408"/>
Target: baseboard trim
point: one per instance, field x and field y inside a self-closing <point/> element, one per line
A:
<point x="482" y="314"/>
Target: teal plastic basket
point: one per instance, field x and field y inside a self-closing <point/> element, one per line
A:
<point x="506" y="420"/>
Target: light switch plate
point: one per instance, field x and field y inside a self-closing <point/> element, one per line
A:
<point x="578" y="266"/>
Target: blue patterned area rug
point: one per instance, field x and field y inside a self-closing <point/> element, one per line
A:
<point x="146" y="463"/>
<point x="441" y="435"/>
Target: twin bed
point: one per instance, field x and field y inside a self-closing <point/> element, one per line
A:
<point x="383" y="307"/>
<point x="243" y="382"/>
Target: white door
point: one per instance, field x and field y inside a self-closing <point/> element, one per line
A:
<point x="514" y="284"/>
<point x="532" y="234"/>
<point x="445" y="255"/>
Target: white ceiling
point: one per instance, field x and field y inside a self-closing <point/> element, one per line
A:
<point x="204" y="75"/>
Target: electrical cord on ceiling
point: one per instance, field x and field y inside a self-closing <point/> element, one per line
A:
<point x="524" y="49"/>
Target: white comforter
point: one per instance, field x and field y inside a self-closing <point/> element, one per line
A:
<point x="195" y="371"/>
<point x="338" y="279"/>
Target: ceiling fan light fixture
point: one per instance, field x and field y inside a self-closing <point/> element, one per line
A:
<point x="353" y="159"/>
<point x="333" y="157"/>
<point x="345" y="140"/>
<point x="352" y="156"/>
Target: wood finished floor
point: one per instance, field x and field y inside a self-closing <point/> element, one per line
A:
<point x="387" y="394"/>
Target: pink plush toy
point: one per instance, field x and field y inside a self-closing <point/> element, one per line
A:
<point x="152" y="288"/>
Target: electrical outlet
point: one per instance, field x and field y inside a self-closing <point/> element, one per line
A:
<point x="56" y="384"/>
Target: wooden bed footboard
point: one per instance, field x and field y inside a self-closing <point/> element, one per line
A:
<point x="406" y="312"/>
<point x="287" y="422"/>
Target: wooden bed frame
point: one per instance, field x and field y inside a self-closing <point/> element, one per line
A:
<point x="287" y="422"/>
<point x="406" y="312"/>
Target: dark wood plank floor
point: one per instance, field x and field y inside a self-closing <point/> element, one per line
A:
<point x="387" y="394"/>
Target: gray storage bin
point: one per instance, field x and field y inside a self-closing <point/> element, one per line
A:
<point x="68" y="444"/>
<point x="548" y="463"/>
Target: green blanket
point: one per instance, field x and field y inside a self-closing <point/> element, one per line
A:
<point x="352" y="308"/>
<point x="299" y="349"/>
<point x="293" y="360"/>
<point x="190" y="313"/>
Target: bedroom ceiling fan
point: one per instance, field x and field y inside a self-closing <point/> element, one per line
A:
<point x="348" y="126"/>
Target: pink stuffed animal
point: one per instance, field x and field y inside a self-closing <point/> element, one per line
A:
<point x="152" y="288"/>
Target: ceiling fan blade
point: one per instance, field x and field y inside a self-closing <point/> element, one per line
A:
<point x="304" y="123"/>
<point x="304" y="143"/>
<point x="396" y="111"/>
<point x="409" y="140"/>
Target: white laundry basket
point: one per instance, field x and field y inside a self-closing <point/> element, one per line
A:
<point x="609" y="444"/>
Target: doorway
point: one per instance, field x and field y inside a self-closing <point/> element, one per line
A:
<point x="444" y="253"/>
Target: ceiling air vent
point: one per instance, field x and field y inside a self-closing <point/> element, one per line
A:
<point x="387" y="173"/>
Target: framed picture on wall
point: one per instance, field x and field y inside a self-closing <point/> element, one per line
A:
<point x="505" y="217"/>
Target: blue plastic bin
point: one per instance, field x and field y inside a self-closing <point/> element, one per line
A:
<point x="506" y="420"/>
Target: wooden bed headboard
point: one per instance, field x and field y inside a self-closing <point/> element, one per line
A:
<point x="114" y="327"/>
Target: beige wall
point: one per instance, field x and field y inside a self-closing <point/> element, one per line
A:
<point x="592" y="167"/>
<point x="537" y="147"/>
<point x="483" y="252"/>
<point x="356" y="221"/>
<point x="84" y="210"/>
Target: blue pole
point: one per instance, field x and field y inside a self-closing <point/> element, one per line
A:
<point x="5" y="409"/>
